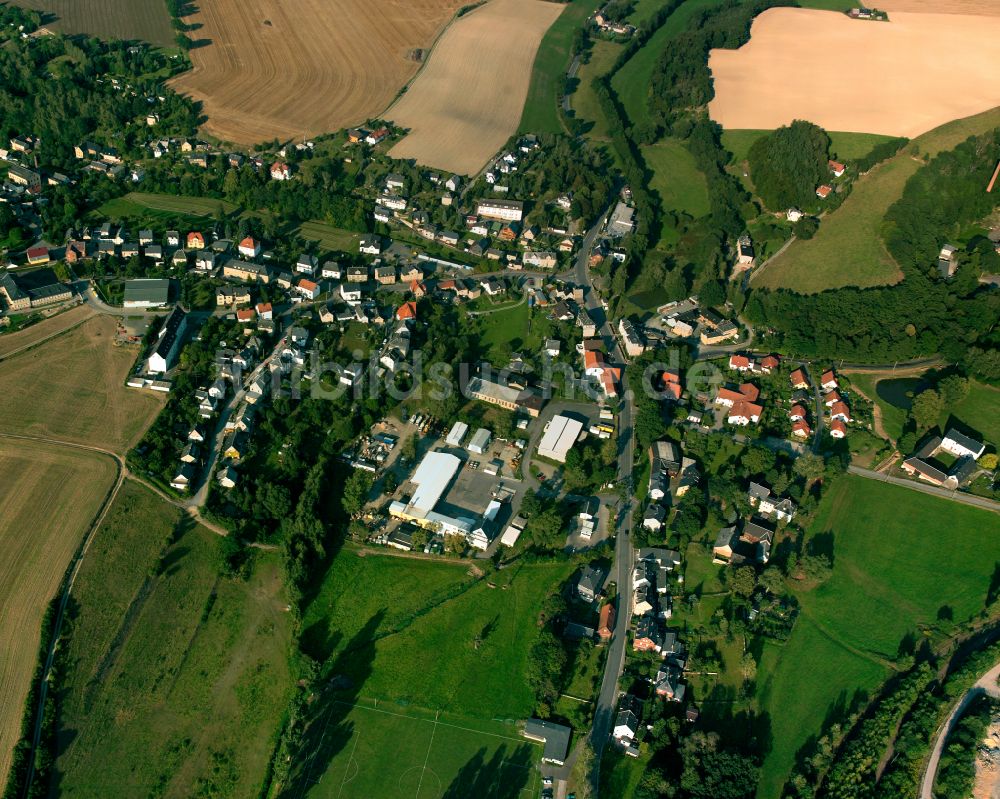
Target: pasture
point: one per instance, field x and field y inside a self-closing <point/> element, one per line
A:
<point x="848" y="250"/>
<point x="52" y="326"/>
<point x="467" y="100"/>
<point x="584" y="101"/>
<point x="453" y="644"/>
<point x="177" y="678"/>
<point x="676" y="177"/>
<point x="49" y="498"/>
<point x="108" y="19"/>
<point x="548" y="71"/>
<point x="881" y="600"/>
<point x="270" y="70"/>
<point x="72" y="388"/>
<point x="932" y="68"/>
<point x="432" y="756"/>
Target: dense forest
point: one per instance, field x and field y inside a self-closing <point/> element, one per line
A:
<point x="789" y="163"/>
<point x="923" y="314"/>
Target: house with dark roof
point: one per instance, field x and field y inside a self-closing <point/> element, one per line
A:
<point x="591" y="581"/>
<point x="555" y="737"/>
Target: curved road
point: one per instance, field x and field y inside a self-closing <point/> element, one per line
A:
<point x="987" y="684"/>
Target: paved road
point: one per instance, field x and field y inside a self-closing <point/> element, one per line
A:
<point x="987" y="684"/>
<point x="943" y="493"/>
<point x="199" y="497"/>
<point x="622" y="571"/>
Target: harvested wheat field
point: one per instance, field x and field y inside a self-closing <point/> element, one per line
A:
<point x="899" y="78"/>
<point x="107" y="19"/>
<point x="941" y="6"/>
<point x="53" y="326"/>
<point x="72" y="388"/>
<point x="267" y="69"/>
<point x="467" y="101"/>
<point x="49" y="497"/>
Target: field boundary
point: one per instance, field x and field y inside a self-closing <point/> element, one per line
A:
<point x="353" y="768"/>
<point x="430" y="51"/>
<point x="46" y="339"/>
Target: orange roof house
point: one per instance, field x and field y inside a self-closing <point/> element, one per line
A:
<point x="408" y="310"/>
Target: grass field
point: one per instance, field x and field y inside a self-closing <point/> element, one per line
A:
<point x="548" y="71"/>
<point x="359" y="585"/>
<point x="847" y="250"/>
<point x="631" y="83"/>
<point x="465" y="103"/>
<point x="676" y="177"/>
<point x="845" y="146"/>
<point x="429" y="665"/>
<point x="290" y="71"/>
<point x="108" y="19"/>
<point x="432" y="756"/>
<point x="583" y="101"/>
<point x="177" y="679"/>
<point x="49" y="497"/>
<point x="72" y="388"/>
<point x="895" y="575"/>
<point x="329" y="237"/>
<point x="12" y="342"/>
<point x="980" y="411"/>
<point x="430" y="659"/>
<point x="140" y="204"/>
<point x="505" y="330"/>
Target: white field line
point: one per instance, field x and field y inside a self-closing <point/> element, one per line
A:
<point x="427" y="758"/>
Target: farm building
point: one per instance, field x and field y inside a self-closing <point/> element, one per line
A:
<point x="168" y="342"/>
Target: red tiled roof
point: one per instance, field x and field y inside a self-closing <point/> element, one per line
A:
<point x="308" y="285"/>
<point x="673" y="389"/>
<point x="729" y="394"/>
<point x="840" y="408"/>
<point x="263" y="307"/>
<point x="671" y="376"/>
<point x="828" y="376"/>
<point x="798" y="377"/>
<point x="769" y="361"/>
<point x="593" y="359"/>
<point x="797" y="410"/>
<point x="750" y="391"/>
<point x="801" y="427"/>
<point x="408" y="310"/>
<point x="739" y="362"/>
<point x="839" y="426"/>
<point x="824" y="191"/>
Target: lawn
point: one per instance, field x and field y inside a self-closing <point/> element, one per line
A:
<point x="178" y="679"/>
<point x="890" y="396"/>
<point x="584" y="101"/>
<point x="137" y="204"/>
<point x="379" y="749"/>
<point x="505" y="331"/>
<point x="848" y="248"/>
<point x="329" y="237"/>
<point x="895" y="577"/>
<point x="548" y="72"/>
<point x="676" y="177"/>
<point x="980" y="411"/>
<point x="631" y="83"/>
<point x="464" y="652"/>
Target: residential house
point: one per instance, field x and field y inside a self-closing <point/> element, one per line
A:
<point x="280" y="171"/>
<point x="591" y="581"/>
<point x="829" y="381"/>
<point x="370" y="245"/>
<point x="195" y="240"/>
<point x="307" y="264"/>
<point x="606" y="621"/>
<point x="183" y="477"/>
<point x="249" y="247"/>
<point x="332" y="270"/>
<point x="308" y="289"/>
<point x="385" y="275"/>
<point x="798" y="380"/>
<point x="634" y="343"/>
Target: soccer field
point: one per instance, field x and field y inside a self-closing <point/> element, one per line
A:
<point x="378" y="749"/>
